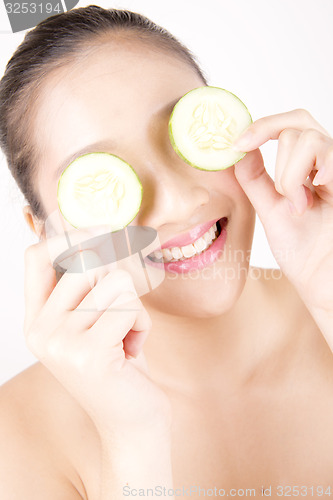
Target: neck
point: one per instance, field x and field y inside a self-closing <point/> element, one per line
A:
<point x="188" y="352"/>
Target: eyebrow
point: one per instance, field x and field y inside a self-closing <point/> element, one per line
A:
<point x="96" y="147"/>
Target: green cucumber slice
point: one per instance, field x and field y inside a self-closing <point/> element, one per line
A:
<point x="203" y="126"/>
<point x="97" y="189"/>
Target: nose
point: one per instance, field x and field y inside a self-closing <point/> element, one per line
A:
<point x="171" y="195"/>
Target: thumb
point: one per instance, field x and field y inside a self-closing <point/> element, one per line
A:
<point x="258" y="186"/>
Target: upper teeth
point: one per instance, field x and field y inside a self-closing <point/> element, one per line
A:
<point x="180" y="253"/>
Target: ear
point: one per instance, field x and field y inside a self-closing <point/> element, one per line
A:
<point x="35" y="224"/>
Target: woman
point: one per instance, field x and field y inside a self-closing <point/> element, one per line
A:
<point x="232" y="387"/>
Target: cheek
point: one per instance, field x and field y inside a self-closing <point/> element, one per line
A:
<point x="227" y="187"/>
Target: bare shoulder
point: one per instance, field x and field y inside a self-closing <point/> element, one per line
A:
<point x="291" y="314"/>
<point x="35" y="435"/>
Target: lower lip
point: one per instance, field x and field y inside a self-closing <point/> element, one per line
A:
<point x="199" y="261"/>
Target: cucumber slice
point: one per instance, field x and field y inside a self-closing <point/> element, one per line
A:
<point x="97" y="189"/>
<point x="203" y="126"/>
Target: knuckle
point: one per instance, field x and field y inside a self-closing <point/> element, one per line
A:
<point x="303" y="114"/>
<point x="287" y="137"/>
<point x="258" y="124"/>
<point x="82" y="360"/>
<point x="311" y="136"/>
<point x="55" y="346"/>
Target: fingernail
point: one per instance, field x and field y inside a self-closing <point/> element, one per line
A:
<point x="242" y="143"/>
<point x="319" y="177"/>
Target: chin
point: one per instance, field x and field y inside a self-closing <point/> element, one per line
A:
<point x="201" y="298"/>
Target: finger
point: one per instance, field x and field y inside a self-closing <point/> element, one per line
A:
<point x="40" y="276"/>
<point x="325" y="194"/>
<point x="79" y="291"/>
<point x="68" y="337"/>
<point x="69" y="240"/>
<point x="324" y="175"/>
<point x="136" y="337"/>
<point x="308" y="151"/>
<point x="113" y="293"/>
<point x="134" y="342"/>
<point x="270" y="127"/>
<point x="287" y="141"/>
<point x="130" y="326"/>
<point x="258" y="186"/>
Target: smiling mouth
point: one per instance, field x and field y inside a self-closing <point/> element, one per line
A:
<point x="174" y="254"/>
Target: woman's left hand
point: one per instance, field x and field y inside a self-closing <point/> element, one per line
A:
<point x="297" y="209"/>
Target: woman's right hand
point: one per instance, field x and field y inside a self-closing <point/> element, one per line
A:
<point x="88" y="349"/>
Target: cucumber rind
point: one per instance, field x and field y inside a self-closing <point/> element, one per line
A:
<point x="172" y="135"/>
<point x="139" y="190"/>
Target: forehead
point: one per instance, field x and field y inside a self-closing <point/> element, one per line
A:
<point x="109" y="92"/>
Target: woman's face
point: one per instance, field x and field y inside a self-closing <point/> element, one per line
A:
<point x="118" y="99"/>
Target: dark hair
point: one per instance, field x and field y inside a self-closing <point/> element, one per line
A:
<point x="54" y="42"/>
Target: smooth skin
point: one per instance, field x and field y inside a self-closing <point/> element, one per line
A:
<point x="232" y="380"/>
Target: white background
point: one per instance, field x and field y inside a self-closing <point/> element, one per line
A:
<point x="275" y="55"/>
